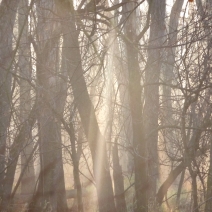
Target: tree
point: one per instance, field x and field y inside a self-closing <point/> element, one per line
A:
<point x="28" y="180"/>
<point x="7" y="56"/>
<point x="112" y="98"/>
<point x="85" y="108"/>
<point x="51" y="97"/>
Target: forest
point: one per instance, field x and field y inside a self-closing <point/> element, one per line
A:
<point x="105" y="105"/>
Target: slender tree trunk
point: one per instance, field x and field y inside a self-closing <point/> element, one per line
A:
<point x="118" y="182"/>
<point x="206" y="12"/>
<point x="14" y="153"/>
<point x="28" y="180"/>
<point x="170" y="59"/>
<point x="168" y="78"/>
<point x="208" y="204"/>
<point x="168" y="182"/>
<point x="195" y="207"/>
<point x="180" y="188"/>
<point x="135" y="92"/>
<point x="139" y="144"/>
<point x="8" y="12"/>
<point x="51" y="188"/>
<point x="120" y="69"/>
<point x="168" y="73"/>
<point x="60" y="97"/>
<point x="151" y="90"/>
<point x="75" y="160"/>
<point x="96" y="141"/>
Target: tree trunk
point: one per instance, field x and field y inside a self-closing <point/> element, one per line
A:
<point x="51" y="98"/>
<point x="135" y="92"/>
<point x="96" y="141"/>
<point x="7" y="19"/>
<point x="28" y="180"/>
<point x="151" y="90"/>
<point x="118" y="182"/>
<point x="208" y="204"/>
<point x="168" y="79"/>
<point x="168" y="74"/>
<point x="14" y="153"/>
<point x="75" y="161"/>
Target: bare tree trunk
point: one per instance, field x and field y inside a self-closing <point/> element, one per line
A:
<point x="168" y="182"/>
<point x="8" y="13"/>
<point x="118" y="182"/>
<point x="180" y="188"/>
<point x="135" y="92"/>
<point x="206" y="11"/>
<point x="195" y="207"/>
<point x="168" y="78"/>
<point x="139" y="144"/>
<point x="51" y="188"/>
<point x="14" y="153"/>
<point x="28" y="180"/>
<point x="96" y="141"/>
<point x="60" y="96"/>
<point x="208" y="205"/>
<point x="75" y="160"/>
<point x="151" y="90"/>
<point x="168" y="74"/>
<point x="120" y="69"/>
<point x="170" y="59"/>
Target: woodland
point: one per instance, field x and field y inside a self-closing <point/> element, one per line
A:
<point x="105" y="105"/>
